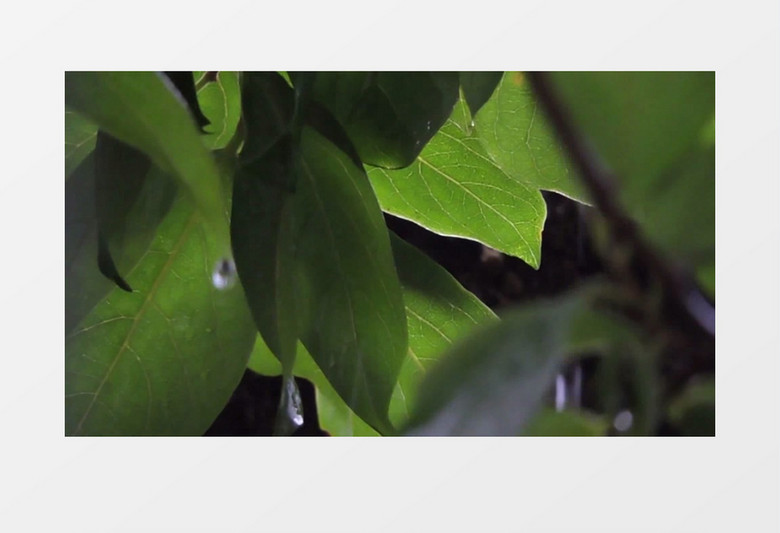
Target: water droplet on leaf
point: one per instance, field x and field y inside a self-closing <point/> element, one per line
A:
<point x="224" y="275"/>
<point x="290" y="414"/>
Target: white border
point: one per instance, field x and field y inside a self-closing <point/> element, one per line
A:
<point x="727" y="483"/>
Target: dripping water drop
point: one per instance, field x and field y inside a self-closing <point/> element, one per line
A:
<point x="224" y="275"/>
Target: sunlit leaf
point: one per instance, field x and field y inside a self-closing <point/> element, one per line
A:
<point x="220" y="101"/>
<point x="144" y="110"/>
<point x="390" y="116"/>
<point x="164" y="359"/>
<point x="515" y="134"/>
<point x="439" y="311"/>
<point x="454" y="188"/>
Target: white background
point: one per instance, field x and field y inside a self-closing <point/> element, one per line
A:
<point x="727" y="483"/>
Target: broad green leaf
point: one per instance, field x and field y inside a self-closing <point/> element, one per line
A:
<point x="439" y="312"/>
<point x="164" y="359"/>
<point x="84" y="284"/>
<point x="261" y="224"/>
<point x="454" y="188"/>
<point x="220" y="101"/>
<point x="549" y="423"/>
<point x="349" y="302"/>
<point x="80" y="136"/>
<point x="390" y="116"/>
<point x="348" y="305"/>
<point x="514" y="132"/>
<point x="655" y="131"/>
<point x="477" y="88"/>
<point x="144" y="110"/>
<point x="493" y="381"/>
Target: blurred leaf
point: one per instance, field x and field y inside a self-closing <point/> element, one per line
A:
<point x="390" y="116"/>
<point x="693" y="411"/>
<point x="144" y="110"/>
<point x="439" y="311"/>
<point x="655" y="131"/>
<point x="80" y="135"/>
<point x="549" y="423"/>
<point x="516" y="136"/>
<point x="220" y="101"/>
<point x="493" y="381"/>
<point x="165" y="359"/>
<point x="84" y="285"/>
<point x="454" y="188"/>
<point x="477" y="88"/>
<point x="349" y="303"/>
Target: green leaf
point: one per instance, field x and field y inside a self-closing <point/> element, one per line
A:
<point x="390" y="116"/>
<point x="493" y="381"/>
<point x="144" y="110"/>
<point x="220" y="101"/>
<point x="184" y="82"/>
<point x="477" y="87"/>
<point x="454" y="188"/>
<point x="120" y="171"/>
<point x="516" y="135"/>
<point x="439" y="312"/>
<point x="84" y="285"/>
<point x="80" y="136"/>
<point x="549" y="423"/>
<point x="164" y="359"/>
<point x="349" y="303"/>
<point x="655" y="131"/>
<point x="263" y="248"/>
<point x="261" y="225"/>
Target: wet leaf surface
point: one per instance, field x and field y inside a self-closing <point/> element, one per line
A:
<point x="164" y="359"/>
